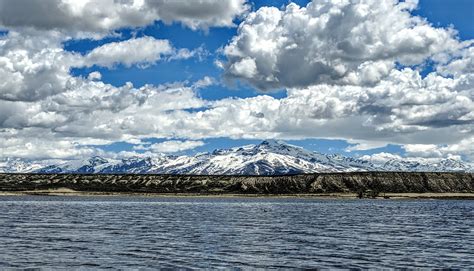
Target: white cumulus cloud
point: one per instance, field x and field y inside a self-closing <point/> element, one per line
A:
<point x="175" y="146"/>
<point x="335" y="42"/>
<point x="141" y="51"/>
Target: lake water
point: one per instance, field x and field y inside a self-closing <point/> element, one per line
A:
<point x="140" y="232"/>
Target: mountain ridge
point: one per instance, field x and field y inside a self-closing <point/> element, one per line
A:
<point x="270" y="157"/>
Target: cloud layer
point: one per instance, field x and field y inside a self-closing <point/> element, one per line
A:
<point x="351" y="71"/>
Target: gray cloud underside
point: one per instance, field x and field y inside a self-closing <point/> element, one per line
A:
<point x="407" y="113"/>
<point x="100" y="17"/>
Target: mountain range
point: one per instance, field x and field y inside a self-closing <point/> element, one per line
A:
<point x="270" y="157"/>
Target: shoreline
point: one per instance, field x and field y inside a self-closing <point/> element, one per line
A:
<point x="398" y="196"/>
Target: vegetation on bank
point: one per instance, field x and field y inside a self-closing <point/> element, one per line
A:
<point x="363" y="184"/>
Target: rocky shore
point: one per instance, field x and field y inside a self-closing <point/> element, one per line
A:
<point x="304" y="184"/>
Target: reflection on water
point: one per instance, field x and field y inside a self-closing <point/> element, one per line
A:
<point x="133" y="232"/>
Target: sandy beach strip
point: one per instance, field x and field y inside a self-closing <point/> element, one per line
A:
<point x="70" y="192"/>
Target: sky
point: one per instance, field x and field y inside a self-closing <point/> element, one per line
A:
<point x="121" y="78"/>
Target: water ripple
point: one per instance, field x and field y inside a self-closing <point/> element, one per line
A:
<point x="145" y="233"/>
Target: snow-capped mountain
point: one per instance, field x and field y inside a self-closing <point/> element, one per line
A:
<point x="270" y="157"/>
<point x="267" y="158"/>
<point x="18" y="165"/>
<point x="423" y="165"/>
